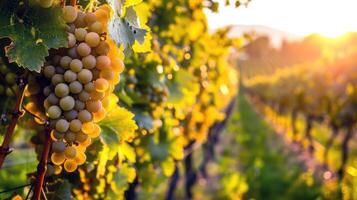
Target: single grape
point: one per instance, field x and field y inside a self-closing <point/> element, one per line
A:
<point x="96" y="27"/>
<point x="52" y="99"/>
<point x="85" y="116"/>
<point x="95" y="95"/>
<point x="89" y="87"/>
<point x="87" y="127"/>
<point x="71" y="115"/>
<point x="72" y="52"/>
<point x="80" y="20"/>
<point x="54" y="112"/>
<point x="101" y="85"/>
<point x="70" y="76"/>
<point x="96" y="131"/>
<point x="60" y="70"/>
<point x="83" y="49"/>
<point x="58" y="146"/>
<point x="85" y="76"/>
<point x="76" y="65"/>
<point x="49" y="71"/>
<point x="107" y="74"/>
<point x="45" y="3"/>
<point x="61" y="90"/>
<point x="92" y="39"/>
<point x="75" y="87"/>
<point x="71" y="40"/>
<point x="79" y="105"/>
<point x="81" y="137"/>
<point x="75" y="125"/>
<point x="90" y="18"/>
<point x="65" y="61"/>
<point x="84" y="96"/>
<point x="93" y="106"/>
<point x="47" y="91"/>
<point x="57" y="169"/>
<point x="80" y="34"/>
<point x="80" y="159"/>
<point x="55" y="135"/>
<point x="103" y="48"/>
<point x="70" y="137"/>
<point x="58" y="158"/>
<point x="89" y="62"/>
<point x="70" y="152"/>
<point x="103" y="62"/>
<point x="67" y="103"/>
<point x="10" y="78"/>
<point x="57" y="79"/>
<point x="70" y="165"/>
<point x="56" y="60"/>
<point x="62" y="125"/>
<point x="69" y="14"/>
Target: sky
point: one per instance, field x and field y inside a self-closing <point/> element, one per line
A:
<point x="330" y="18"/>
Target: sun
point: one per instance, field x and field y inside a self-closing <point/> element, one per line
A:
<point x="332" y="33"/>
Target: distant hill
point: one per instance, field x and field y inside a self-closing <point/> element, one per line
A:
<point x="275" y="35"/>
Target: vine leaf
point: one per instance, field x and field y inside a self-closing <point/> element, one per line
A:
<point x="32" y="34"/>
<point x="125" y="28"/>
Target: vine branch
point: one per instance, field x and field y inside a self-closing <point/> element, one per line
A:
<point x="42" y="166"/>
<point x="17" y="113"/>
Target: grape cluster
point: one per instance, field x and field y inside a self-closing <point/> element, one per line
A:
<point x="8" y="86"/>
<point x="80" y="80"/>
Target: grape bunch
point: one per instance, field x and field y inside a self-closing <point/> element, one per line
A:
<point x="8" y="86"/>
<point x="79" y="85"/>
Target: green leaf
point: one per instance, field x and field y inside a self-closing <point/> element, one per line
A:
<point x="33" y="34"/>
<point x="144" y="120"/>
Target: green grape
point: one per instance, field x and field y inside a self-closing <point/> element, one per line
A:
<point x="80" y="34"/>
<point x="57" y="79"/>
<point x="84" y="96"/>
<point x="70" y="137"/>
<point x="69" y="14"/>
<point x="85" y="76"/>
<point x="54" y="112"/>
<point x="85" y="116"/>
<point x="71" y="40"/>
<point x="52" y="99"/>
<point x="83" y="49"/>
<point x="70" y="76"/>
<point x="102" y="48"/>
<point x="67" y="103"/>
<point x="65" y="61"/>
<point x="61" y="90"/>
<point x="72" y="52"/>
<point x="101" y="85"/>
<point x="89" y="87"/>
<point x="55" y="135"/>
<point x="89" y="62"/>
<point x="96" y="27"/>
<point x="58" y="158"/>
<point x="75" y="87"/>
<point x="10" y="78"/>
<point x="45" y="3"/>
<point x="60" y="70"/>
<point x="95" y="95"/>
<point x="70" y="165"/>
<point x="70" y="152"/>
<point x="76" y="65"/>
<point x="93" y="106"/>
<point x="90" y="18"/>
<point x="107" y="74"/>
<point x="81" y="137"/>
<point x="75" y="125"/>
<point x="47" y="91"/>
<point x="79" y="105"/>
<point x="80" y="23"/>
<point x="49" y="71"/>
<point x="103" y="62"/>
<point x="2" y="90"/>
<point x="71" y="115"/>
<point x="58" y="146"/>
<point x="62" y="125"/>
<point x="92" y="39"/>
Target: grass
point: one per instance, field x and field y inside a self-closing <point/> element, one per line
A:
<point x="272" y="171"/>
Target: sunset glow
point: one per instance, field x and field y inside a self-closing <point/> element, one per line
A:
<point x="326" y="17"/>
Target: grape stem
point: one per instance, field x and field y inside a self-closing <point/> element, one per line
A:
<point x="17" y="113"/>
<point x="42" y="166"/>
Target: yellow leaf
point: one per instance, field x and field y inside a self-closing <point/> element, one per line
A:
<point x="168" y="166"/>
<point x="127" y="151"/>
